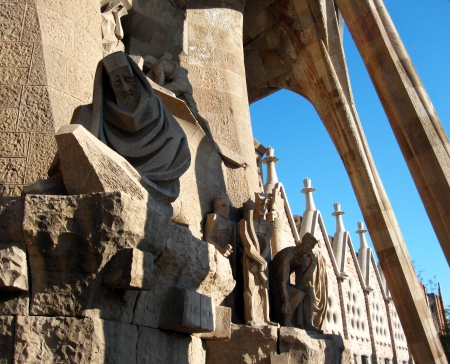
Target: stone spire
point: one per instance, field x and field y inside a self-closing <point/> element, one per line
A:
<point x="272" y="178"/>
<point x="339" y="240"/>
<point x="338" y="214"/>
<point x="308" y="216"/>
<point x="364" y="255"/>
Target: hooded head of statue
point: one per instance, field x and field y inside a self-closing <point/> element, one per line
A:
<point x="122" y="82"/>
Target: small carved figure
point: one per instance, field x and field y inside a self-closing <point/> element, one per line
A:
<point x="219" y="230"/>
<point x="312" y="310"/>
<point x="285" y="296"/>
<point x="128" y="117"/>
<point x="255" y="234"/>
<point x="170" y="75"/>
<point x="112" y="31"/>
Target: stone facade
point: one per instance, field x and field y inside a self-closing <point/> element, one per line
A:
<point x="106" y="273"/>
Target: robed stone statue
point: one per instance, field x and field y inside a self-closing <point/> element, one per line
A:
<point x="130" y="118"/>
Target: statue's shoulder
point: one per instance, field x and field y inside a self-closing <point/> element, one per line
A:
<point x="83" y="115"/>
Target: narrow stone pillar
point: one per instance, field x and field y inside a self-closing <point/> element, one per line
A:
<point x="426" y="150"/>
<point x="339" y="239"/>
<point x="272" y="178"/>
<point x="308" y="215"/>
<point x="416" y="126"/>
<point x="364" y="255"/>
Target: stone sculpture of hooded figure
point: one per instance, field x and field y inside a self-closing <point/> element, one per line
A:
<point x="128" y="117"/>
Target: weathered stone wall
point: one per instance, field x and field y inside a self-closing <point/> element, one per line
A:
<point x="377" y="309"/>
<point x="48" y="55"/>
<point x="355" y="312"/>
<point x="398" y="336"/>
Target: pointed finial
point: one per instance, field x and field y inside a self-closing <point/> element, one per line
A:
<point x="338" y="213"/>
<point x="337" y="209"/>
<point x="272" y="178"/>
<point x="308" y="191"/>
<point x="361" y="228"/>
<point x="361" y="232"/>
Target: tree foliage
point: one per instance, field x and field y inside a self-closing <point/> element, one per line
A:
<point x="445" y="336"/>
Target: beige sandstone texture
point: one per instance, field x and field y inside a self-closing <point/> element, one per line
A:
<point x="11" y="236"/>
<point x="222" y="325"/>
<point x="156" y="346"/>
<point x="7" y="324"/>
<point x="13" y="270"/>
<point x="48" y="55"/>
<point x="246" y="345"/>
<point x="313" y="348"/>
<point x="107" y="270"/>
<point x="130" y="269"/>
<point x="80" y="234"/>
<point x="73" y="340"/>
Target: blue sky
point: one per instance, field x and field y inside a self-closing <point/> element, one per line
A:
<point x="289" y="123"/>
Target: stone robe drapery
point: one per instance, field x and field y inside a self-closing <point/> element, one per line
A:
<point x="149" y="138"/>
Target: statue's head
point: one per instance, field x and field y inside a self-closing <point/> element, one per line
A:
<point x="308" y="243"/>
<point x="222" y="203"/>
<point x="261" y="202"/>
<point x="122" y="81"/>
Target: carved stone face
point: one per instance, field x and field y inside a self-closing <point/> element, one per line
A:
<point x="260" y="205"/>
<point x="124" y="88"/>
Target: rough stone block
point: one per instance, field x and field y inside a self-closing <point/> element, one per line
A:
<point x="88" y="165"/>
<point x="9" y="118"/>
<point x="31" y="30"/>
<point x="10" y="95"/>
<point x="312" y="348"/>
<point x="14" y="303"/>
<point x="187" y="311"/>
<point x="14" y="144"/>
<point x="186" y="263"/>
<point x="13" y="75"/>
<point x="35" y="110"/>
<point x="18" y="54"/>
<point x="222" y="325"/>
<point x="11" y="12"/>
<point x="10" y="32"/>
<point x="13" y="169"/>
<point x="10" y="190"/>
<point x="7" y="339"/>
<point x="13" y="270"/>
<point x="130" y="269"/>
<point x="79" y="235"/>
<point x="156" y="346"/>
<point x="73" y="340"/>
<point x="41" y="154"/>
<point x="280" y="359"/>
<point x="38" y="75"/>
<point x="246" y="345"/>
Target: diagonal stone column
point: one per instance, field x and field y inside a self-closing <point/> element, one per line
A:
<point x="416" y="126"/>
